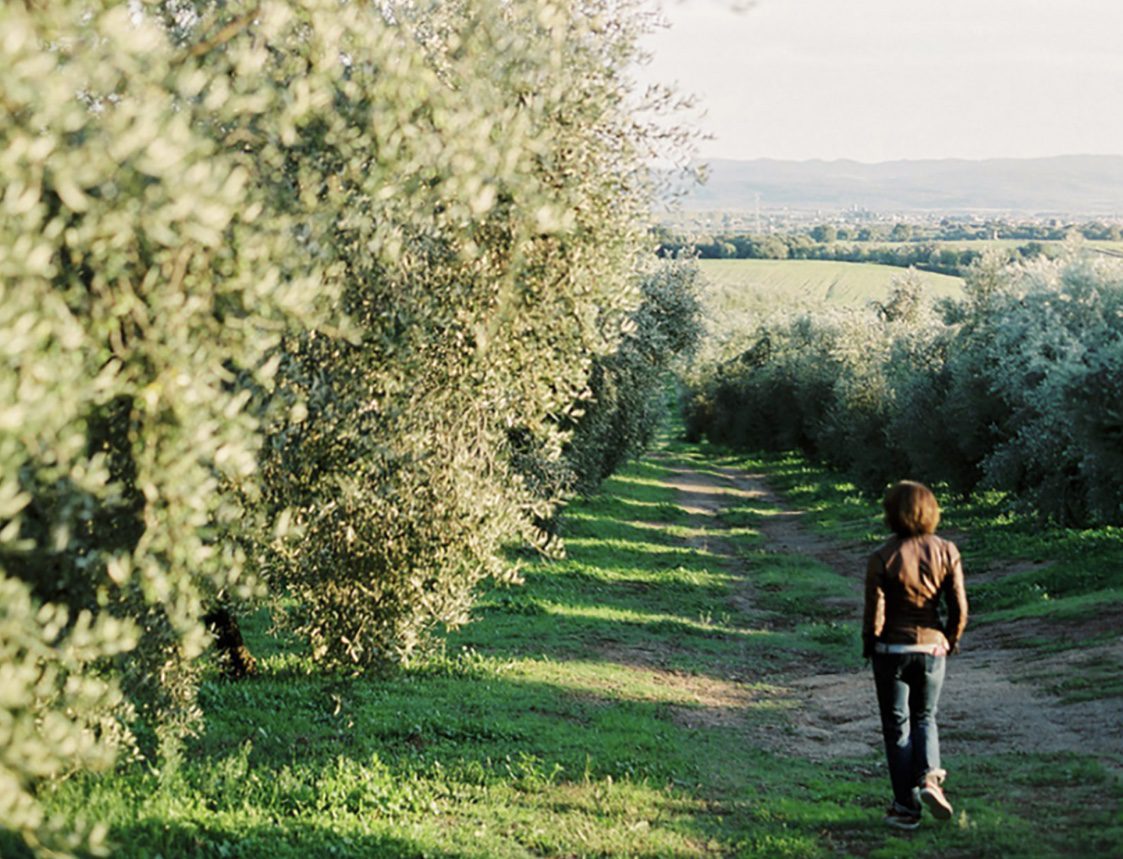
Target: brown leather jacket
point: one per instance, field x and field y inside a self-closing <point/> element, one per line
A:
<point x="905" y="579"/>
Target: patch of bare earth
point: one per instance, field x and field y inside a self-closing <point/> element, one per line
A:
<point x="696" y="700"/>
<point x="994" y="699"/>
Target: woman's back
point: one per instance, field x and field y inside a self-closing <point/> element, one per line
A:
<point x="902" y="633"/>
<point x="905" y="579"/>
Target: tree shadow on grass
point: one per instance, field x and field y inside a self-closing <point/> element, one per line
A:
<point x="296" y="768"/>
<point x="293" y="839"/>
<point x="552" y="700"/>
<point x="585" y="714"/>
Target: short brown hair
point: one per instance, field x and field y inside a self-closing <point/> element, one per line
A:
<point x="911" y="509"/>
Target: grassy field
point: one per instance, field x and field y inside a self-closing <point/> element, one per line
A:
<point x="626" y="701"/>
<point x="762" y="285"/>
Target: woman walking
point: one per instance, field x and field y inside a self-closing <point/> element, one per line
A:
<point x="906" y="579"/>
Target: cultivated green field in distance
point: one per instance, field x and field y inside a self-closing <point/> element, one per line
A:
<point x="1098" y="246"/>
<point x="765" y="285"/>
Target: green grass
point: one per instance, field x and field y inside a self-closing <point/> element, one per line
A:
<point x="1090" y="679"/>
<point x="762" y="285"/>
<point x="608" y="707"/>
<point x="765" y="285"/>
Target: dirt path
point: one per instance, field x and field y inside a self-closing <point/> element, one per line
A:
<point x="996" y="697"/>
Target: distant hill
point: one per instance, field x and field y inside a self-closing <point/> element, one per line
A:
<point x="1068" y="184"/>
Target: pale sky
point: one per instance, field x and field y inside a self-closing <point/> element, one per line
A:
<point x="877" y="80"/>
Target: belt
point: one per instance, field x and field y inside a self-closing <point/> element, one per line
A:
<point x="930" y="649"/>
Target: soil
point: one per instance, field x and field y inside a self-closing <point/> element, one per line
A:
<point x="998" y="697"/>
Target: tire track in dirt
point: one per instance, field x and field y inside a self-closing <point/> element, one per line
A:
<point x="994" y="700"/>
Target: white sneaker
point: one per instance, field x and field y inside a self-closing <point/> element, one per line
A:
<point x="932" y="795"/>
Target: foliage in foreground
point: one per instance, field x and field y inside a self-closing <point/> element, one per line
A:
<point x="279" y="284"/>
<point x="1018" y="387"/>
<point x="58" y="716"/>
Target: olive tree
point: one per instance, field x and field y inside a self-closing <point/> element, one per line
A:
<point x="131" y="237"/>
<point x="628" y="389"/>
<point x="474" y="326"/>
<point x="282" y="283"/>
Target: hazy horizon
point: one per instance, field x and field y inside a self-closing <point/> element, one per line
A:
<point x="844" y="159"/>
<point x="1077" y="185"/>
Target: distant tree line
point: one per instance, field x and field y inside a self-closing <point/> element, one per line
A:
<point x="905" y="245"/>
<point x="928" y="257"/>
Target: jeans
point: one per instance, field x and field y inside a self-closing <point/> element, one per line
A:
<point x="908" y="692"/>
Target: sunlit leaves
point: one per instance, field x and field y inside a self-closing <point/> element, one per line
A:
<point x="484" y="202"/>
<point x="279" y="283"/>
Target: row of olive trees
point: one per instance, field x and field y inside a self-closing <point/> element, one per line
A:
<point x="288" y="291"/>
<point x="628" y="389"/>
<point x="1017" y="387"/>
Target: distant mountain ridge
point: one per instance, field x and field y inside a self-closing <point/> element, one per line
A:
<point x="1066" y="184"/>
